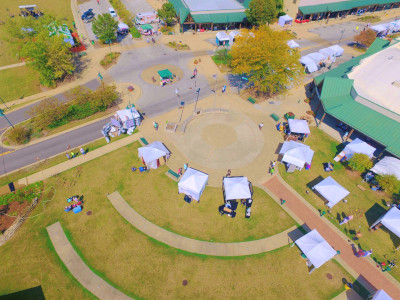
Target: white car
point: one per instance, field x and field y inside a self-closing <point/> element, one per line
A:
<point x="112" y="12"/>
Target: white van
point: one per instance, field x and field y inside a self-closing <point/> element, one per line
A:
<point x="112" y="12"/>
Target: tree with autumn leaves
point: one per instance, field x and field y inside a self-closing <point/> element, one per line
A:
<point x="264" y="56"/>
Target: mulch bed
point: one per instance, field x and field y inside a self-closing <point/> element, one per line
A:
<point x="14" y="209"/>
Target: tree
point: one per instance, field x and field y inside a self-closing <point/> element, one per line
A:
<point x="263" y="55"/>
<point x="105" y="27"/>
<point x="261" y="12"/>
<point x="389" y="183"/>
<point x="360" y="162"/>
<point x="167" y="13"/>
<point x="365" y="37"/>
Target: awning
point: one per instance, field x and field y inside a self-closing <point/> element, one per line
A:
<point x="388" y="166"/>
<point x="165" y="74"/>
<point x="331" y="191"/>
<point x="222" y="36"/>
<point x="296" y="153"/>
<point x="146" y="27"/>
<point x="236" y="188"/>
<point x="358" y="146"/>
<point x="193" y="183"/>
<point x="152" y="152"/>
<point x="298" y="126"/>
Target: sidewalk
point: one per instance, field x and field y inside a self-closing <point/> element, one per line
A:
<point x="366" y="271"/>
<point x="13" y="66"/>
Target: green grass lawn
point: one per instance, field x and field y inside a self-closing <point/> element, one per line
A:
<point x="18" y="83"/>
<point x="138" y="264"/>
<point x="57" y="8"/>
<point x="366" y="206"/>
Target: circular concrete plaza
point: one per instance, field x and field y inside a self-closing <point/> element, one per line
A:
<point x="151" y="72"/>
<point x="221" y="140"/>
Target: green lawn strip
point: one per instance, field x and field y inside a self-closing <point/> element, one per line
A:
<point x="55" y="160"/>
<point x="17" y="83"/>
<point x="366" y="206"/>
<point x="98" y="273"/>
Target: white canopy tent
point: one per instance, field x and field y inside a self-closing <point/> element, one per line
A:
<point x="232" y="36"/>
<point x="311" y="67"/>
<point x="151" y="154"/>
<point x="391" y="220"/>
<point x="338" y="50"/>
<point x="298" y="126"/>
<point x="122" y="26"/>
<point x="358" y="146"/>
<point x="316" y="57"/>
<point x="306" y="60"/>
<point x="381" y="295"/>
<point x="331" y="191"/>
<point x="296" y="154"/>
<point x="236" y="188"/>
<point x="292" y="44"/>
<point x="193" y="183"/>
<point x="380" y="29"/>
<point x="388" y="166"/>
<point x="329" y="54"/>
<point x="222" y="38"/>
<point x="285" y="20"/>
<point x="317" y="250"/>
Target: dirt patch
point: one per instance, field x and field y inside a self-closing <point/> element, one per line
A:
<point x="150" y="73"/>
<point x="8" y="213"/>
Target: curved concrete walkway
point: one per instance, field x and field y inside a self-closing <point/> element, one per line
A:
<point x="201" y="247"/>
<point x="79" y="269"/>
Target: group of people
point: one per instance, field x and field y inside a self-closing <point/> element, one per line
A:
<point x="180" y="170"/>
<point x="75" y="202"/>
<point x="72" y="154"/>
<point x="272" y="167"/>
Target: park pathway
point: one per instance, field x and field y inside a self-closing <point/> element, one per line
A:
<point x="79" y="269"/>
<point x="201" y="247"/>
<point x="12" y="66"/>
<point x="367" y="271"/>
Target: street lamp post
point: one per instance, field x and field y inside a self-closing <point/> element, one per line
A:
<point x="3" y="115"/>
<point x="197" y="99"/>
<point x="4" y="103"/>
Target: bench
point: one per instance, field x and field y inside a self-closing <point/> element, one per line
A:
<point x="275" y="117"/>
<point x="171" y="174"/>
<point x="143" y="141"/>
<point x="251" y="100"/>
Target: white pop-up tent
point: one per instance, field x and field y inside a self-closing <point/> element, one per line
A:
<point x="285" y="20"/>
<point x="311" y="67"/>
<point x="331" y="191"/>
<point x="388" y="166"/>
<point x="292" y="44"/>
<point x="151" y="154"/>
<point x="122" y="26"/>
<point x="297" y="154"/>
<point x="315" y="248"/>
<point x="316" y="57"/>
<point x="232" y="36"/>
<point x="306" y="60"/>
<point x="380" y="295"/>
<point x="236" y="188"/>
<point x="298" y="126"/>
<point x="358" y="146"/>
<point x="328" y="53"/>
<point x="391" y="220"/>
<point x="193" y="183"/>
<point x="222" y="38"/>
<point x="338" y="50"/>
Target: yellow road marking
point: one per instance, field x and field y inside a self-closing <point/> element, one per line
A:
<point x="8" y="152"/>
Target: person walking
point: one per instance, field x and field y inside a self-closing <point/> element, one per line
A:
<point x="272" y="170"/>
<point x="73" y="23"/>
<point x="155" y="124"/>
<point x="261" y="125"/>
<point x="177" y="92"/>
<point x="72" y="154"/>
<point x="98" y="2"/>
<point x="82" y="151"/>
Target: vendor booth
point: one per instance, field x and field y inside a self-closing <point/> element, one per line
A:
<point x="222" y="39"/>
<point x="151" y="154"/>
<point x="316" y="57"/>
<point x="309" y="63"/>
<point x="380" y="29"/>
<point x="298" y="126"/>
<point x="166" y="76"/>
<point x="146" y="29"/>
<point x="388" y="166"/>
<point x="391" y="220"/>
<point x="337" y="49"/>
<point x="315" y="248"/>
<point x="356" y="146"/>
<point x="328" y="53"/>
<point x="193" y="183"/>
<point x="235" y="188"/>
<point x="285" y="20"/>
<point x="292" y="44"/>
<point x="332" y="191"/>
<point x="123" y="29"/>
<point x="232" y="37"/>
<point x="379" y="295"/>
<point x="296" y="155"/>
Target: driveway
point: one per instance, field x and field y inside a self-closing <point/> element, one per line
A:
<point x="138" y="6"/>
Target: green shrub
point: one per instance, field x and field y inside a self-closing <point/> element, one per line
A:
<point x="19" y="135"/>
<point x="360" y="162"/>
<point x="135" y="33"/>
<point x="109" y="58"/>
<point x="389" y="183"/>
<point x="123" y="13"/>
<point x="27" y="193"/>
<point x="281" y="13"/>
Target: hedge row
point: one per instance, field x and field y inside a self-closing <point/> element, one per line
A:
<point x="123" y="13"/>
<point x="27" y="193"/>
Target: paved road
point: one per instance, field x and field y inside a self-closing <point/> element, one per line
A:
<point x="138" y="6"/>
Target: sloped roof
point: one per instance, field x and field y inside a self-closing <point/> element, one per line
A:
<point x="181" y="10"/>
<point x="236" y="17"/>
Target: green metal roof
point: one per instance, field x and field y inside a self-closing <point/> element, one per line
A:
<point x="338" y="102"/>
<point x="165" y="73"/>
<point x="246" y="3"/>
<point x="181" y="10"/>
<point x="236" y="17"/>
<point x="341" y="6"/>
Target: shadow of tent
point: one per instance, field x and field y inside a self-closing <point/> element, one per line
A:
<point x="363" y="287"/>
<point x="35" y="293"/>
<point x="374" y="213"/>
<point x="340" y="147"/>
<point x="278" y="148"/>
<point x="312" y="183"/>
<point x="395" y="239"/>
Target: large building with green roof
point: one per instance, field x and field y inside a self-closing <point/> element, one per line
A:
<point x="211" y="14"/>
<point x="364" y="93"/>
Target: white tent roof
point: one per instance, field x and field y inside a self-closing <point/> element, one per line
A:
<point x="152" y="152"/>
<point x="331" y="191"/>
<point x="292" y="44"/>
<point x="391" y="220"/>
<point x="283" y="19"/>
<point x="298" y="126"/>
<point x="222" y="36"/>
<point x="327" y="53"/>
<point x="236" y="188"/>
<point x="296" y="153"/>
<point x="317" y="250"/>
<point x="127" y="114"/>
<point x="311" y="67"/>
<point x="358" y="146"/>
<point x="193" y="183"/>
<point x="388" y="165"/>
<point x="233" y="34"/>
<point x="316" y="57"/>
<point x="381" y="295"/>
<point x="378" y="28"/>
<point x="338" y="50"/>
<point x="123" y="26"/>
<point x="306" y="60"/>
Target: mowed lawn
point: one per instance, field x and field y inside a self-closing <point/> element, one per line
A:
<point x="58" y="8"/>
<point x="366" y="206"/>
<point x="137" y="264"/>
<point x="17" y="83"/>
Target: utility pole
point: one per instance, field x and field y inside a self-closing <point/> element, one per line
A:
<point x="3" y="115"/>
<point x="197" y="99"/>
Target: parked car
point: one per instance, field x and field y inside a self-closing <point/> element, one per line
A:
<point x="112" y="12"/>
<point x="87" y="15"/>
